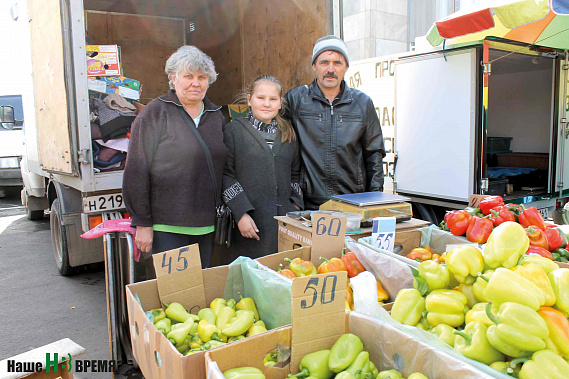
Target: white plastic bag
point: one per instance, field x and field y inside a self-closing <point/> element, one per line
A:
<point x="393" y="274"/>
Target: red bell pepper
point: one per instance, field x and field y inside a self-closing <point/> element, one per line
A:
<point x="353" y="265"/>
<point x="556" y="239"/>
<point x="501" y="214"/>
<point x="536" y="250"/>
<point x="516" y="209"/>
<point x="490" y="202"/>
<point x="531" y="216"/>
<point x="537" y="237"/>
<point x="479" y="229"/>
<point x="457" y="221"/>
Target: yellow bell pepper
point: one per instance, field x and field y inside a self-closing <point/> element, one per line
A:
<point x="480" y="284"/>
<point x="507" y="286"/>
<point x="408" y="306"/>
<point x="247" y="304"/>
<point x="545" y="263"/>
<point x="464" y="263"/>
<point x="446" y="307"/>
<point x="560" y="282"/>
<point x="478" y="313"/>
<point x="535" y="274"/>
<point x="506" y="244"/>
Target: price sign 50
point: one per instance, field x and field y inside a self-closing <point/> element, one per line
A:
<point x="325" y="298"/>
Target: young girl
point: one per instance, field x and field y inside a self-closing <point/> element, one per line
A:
<point x="262" y="172"/>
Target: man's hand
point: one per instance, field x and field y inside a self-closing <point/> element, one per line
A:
<point x="247" y="227"/>
<point x="143" y="239"/>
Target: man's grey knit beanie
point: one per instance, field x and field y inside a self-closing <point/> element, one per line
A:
<point x="330" y="43"/>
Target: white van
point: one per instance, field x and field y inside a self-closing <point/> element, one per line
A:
<point x="11" y="141"/>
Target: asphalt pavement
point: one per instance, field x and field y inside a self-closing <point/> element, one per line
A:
<point x="41" y="306"/>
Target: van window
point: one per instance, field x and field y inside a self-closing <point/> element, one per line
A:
<point x="16" y="102"/>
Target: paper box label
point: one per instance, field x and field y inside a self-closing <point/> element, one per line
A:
<point x="103" y="60"/>
<point x="383" y="233"/>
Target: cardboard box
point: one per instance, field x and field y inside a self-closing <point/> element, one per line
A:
<point x="387" y="347"/>
<point x="126" y="87"/>
<point x="369" y="212"/>
<point x="155" y="355"/>
<point x="103" y="60"/>
<point x="294" y="234"/>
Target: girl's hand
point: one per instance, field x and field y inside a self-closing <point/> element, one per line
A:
<point x="143" y="238"/>
<point x="247" y="227"/>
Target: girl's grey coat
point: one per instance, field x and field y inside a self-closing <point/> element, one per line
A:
<point x="260" y="181"/>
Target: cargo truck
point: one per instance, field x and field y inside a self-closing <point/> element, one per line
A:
<point x="58" y="169"/>
<point x="487" y="117"/>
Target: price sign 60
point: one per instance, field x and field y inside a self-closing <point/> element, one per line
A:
<point x="330" y="226"/>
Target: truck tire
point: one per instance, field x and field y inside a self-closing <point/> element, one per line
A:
<point x="59" y="240"/>
<point x="34" y="215"/>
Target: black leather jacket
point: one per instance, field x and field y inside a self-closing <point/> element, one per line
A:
<point x="341" y="145"/>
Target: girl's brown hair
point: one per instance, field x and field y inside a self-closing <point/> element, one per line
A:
<point x="286" y="128"/>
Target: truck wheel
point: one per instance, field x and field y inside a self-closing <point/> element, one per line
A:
<point x="34" y="215"/>
<point x="59" y="240"/>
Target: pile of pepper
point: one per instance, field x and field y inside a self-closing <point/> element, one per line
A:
<point x="347" y="262"/>
<point x="347" y="359"/>
<point x="547" y="240"/>
<point x="224" y="321"/>
<point x="504" y="308"/>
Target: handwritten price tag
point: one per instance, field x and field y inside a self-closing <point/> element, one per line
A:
<point x="179" y="276"/>
<point x="317" y="300"/>
<point x="383" y="233"/>
<point x="328" y="233"/>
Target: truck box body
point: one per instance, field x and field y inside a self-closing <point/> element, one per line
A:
<point x="451" y="113"/>
<point x="244" y="38"/>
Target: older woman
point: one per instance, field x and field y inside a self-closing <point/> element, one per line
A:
<point x="167" y="185"/>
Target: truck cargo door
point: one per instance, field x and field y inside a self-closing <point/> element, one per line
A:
<point x="563" y="146"/>
<point x="53" y="94"/>
<point x="435" y="124"/>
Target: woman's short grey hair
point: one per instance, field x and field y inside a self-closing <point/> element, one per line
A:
<point x="190" y="58"/>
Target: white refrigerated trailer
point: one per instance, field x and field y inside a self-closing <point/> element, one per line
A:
<point x="442" y="111"/>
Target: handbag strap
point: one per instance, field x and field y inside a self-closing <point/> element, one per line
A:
<point x="193" y="128"/>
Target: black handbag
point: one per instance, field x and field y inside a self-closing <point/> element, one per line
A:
<point x="223" y="217"/>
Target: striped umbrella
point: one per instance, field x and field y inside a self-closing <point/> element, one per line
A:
<point x="539" y="22"/>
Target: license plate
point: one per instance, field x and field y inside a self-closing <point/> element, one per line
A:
<point x="103" y="203"/>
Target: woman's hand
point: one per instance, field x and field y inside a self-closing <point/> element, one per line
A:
<point x="247" y="227"/>
<point x="143" y="239"/>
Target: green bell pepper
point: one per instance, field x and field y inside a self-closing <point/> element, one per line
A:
<point x="242" y="321"/>
<point x="358" y="364"/>
<point x="417" y="375"/>
<point x="158" y="314"/>
<point x="408" y="306"/>
<point x="164" y="326"/>
<point x="177" y="312"/>
<point x="473" y="344"/>
<point x="445" y="333"/>
<point x="519" y="330"/>
<point x="344" y="375"/>
<point x="436" y="275"/>
<point x="344" y="352"/>
<point x="506" y="244"/>
<point x="480" y="284"/>
<point x="244" y="373"/>
<point x="446" y="307"/>
<point x="545" y="364"/>
<point x="478" y="313"/>
<point x="178" y="335"/>
<point x="207" y="314"/>
<point x="316" y="365"/>
<point x="390" y="374"/>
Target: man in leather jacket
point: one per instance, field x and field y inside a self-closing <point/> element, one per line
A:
<point x="341" y="144"/>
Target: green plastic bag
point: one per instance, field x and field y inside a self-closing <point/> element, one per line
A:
<point x="270" y="290"/>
